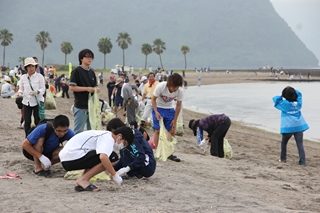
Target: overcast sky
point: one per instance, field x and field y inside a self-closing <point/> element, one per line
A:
<point x="303" y="17"/>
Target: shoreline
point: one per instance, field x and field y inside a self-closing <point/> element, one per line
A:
<point x="252" y="181"/>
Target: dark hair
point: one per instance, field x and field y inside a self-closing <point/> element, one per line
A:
<point x="175" y="80"/>
<point x="61" y="120"/>
<point x="29" y="66"/>
<point x="289" y="94"/>
<point x="127" y="133"/>
<point x="35" y="57"/>
<point x="151" y="73"/>
<point x="193" y="125"/>
<point x="83" y="53"/>
<point x="114" y="123"/>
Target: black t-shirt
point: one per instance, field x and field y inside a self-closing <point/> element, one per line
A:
<point x="110" y="87"/>
<point x="83" y="78"/>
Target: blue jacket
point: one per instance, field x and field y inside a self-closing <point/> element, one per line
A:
<point x="291" y="117"/>
<point x="138" y="156"/>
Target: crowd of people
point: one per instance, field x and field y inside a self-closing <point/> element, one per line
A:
<point x="123" y="148"/>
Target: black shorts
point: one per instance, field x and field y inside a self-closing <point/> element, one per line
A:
<point x="30" y="157"/>
<point x="88" y="161"/>
<point x="19" y="102"/>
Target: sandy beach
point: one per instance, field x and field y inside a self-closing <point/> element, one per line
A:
<point x="252" y="181"/>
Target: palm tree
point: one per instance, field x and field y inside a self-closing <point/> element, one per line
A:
<point x="66" y="48"/>
<point x="105" y="47"/>
<point x="185" y="49"/>
<point x="21" y="59"/>
<point x="158" y="47"/>
<point x="6" y="38"/>
<point x="123" y="42"/>
<point x="146" y="49"/>
<point x="43" y="37"/>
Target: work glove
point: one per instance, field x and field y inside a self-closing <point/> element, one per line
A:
<point x="33" y="93"/>
<point x="45" y="162"/>
<point x="117" y="179"/>
<point x="20" y="94"/>
<point x="112" y="97"/>
<point x="123" y="170"/>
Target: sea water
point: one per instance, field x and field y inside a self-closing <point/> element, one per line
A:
<point x="251" y="103"/>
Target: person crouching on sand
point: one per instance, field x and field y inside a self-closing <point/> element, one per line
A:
<point x="217" y="126"/>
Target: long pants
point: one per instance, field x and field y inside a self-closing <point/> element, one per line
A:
<point x="147" y="113"/>
<point x="217" y="139"/>
<point x="28" y="110"/>
<point x="81" y="118"/>
<point x="298" y="136"/>
<point x="131" y="110"/>
<point x="65" y="91"/>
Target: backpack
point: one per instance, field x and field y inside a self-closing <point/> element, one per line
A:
<point x="49" y="129"/>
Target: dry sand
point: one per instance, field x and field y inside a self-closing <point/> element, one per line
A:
<point x="252" y="181"/>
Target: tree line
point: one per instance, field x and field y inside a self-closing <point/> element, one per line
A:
<point x="104" y="45"/>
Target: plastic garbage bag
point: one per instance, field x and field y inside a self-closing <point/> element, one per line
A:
<point x="74" y="175"/>
<point x="50" y="103"/>
<point x="228" y="153"/>
<point x="166" y="143"/>
<point x="94" y="109"/>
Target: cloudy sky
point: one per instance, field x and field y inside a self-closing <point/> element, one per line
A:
<point x="303" y="17"/>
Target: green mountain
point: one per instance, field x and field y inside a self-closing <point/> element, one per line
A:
<point x="220" y="34"/>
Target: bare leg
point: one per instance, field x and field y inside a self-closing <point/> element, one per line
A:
<point x="156" y="137"/>
<point x="55" y="155"/>
<point x="39" y="147"/>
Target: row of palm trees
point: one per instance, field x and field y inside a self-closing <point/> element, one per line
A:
<point x="104" y="45"/>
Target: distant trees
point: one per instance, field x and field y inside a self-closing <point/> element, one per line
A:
<point x="158" y="47"/>
<point x="6" y="38"/>
<point x="146" y="49"/>
<point x="185" y="49"/>
<point x="42" y="38"/>
<point x="21" y="59"/>
<point x="124" y="40"/>
<point x="105" y="46"/>
<point x="66" y="48"/>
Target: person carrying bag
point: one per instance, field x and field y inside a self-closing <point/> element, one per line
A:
<point x="32" y="88"/>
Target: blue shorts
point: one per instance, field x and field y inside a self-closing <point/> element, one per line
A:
<point x="118" y="101"/>
<point x="167" y="116"/>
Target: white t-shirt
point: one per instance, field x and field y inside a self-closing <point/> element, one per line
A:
<point x="165" y="99"/>
<point x="84" y="142"/>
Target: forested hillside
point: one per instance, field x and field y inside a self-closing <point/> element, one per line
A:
<point x="220" y="34"/>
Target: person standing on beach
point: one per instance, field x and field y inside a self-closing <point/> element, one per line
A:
<point x="82" y="82"/>
<point x="199" y="81"/>
<point x="110" y="85"/>
<point x="31" y="87"/>
<point x="292" y="121"/>
<point x="129" y="102"/>
<point x="217" y="126"/>
<point x="163" y="104"/>
<point x="147" y="94"/>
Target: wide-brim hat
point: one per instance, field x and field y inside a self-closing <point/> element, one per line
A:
<point x="119" y="80"/>
<point x="29" y="61"/>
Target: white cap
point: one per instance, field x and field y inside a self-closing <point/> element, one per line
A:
<point x="143" y="78"/>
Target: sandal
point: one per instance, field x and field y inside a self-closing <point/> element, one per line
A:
<point x="90" y="188"/>
<point x="174" y="158"/>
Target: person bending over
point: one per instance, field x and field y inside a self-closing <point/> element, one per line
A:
<point x="92" y="151"/>
<point x="136" y="155"/>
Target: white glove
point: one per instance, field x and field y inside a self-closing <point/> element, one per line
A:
<point x="33" y="93"/>
<point x="123" y="170"/>
<point x="117" y="179"/>
<point x="112" y="97"/>
<point x="20" y="94"/>
<point x="204" y="144"/>
<point x="45" y="162"/>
